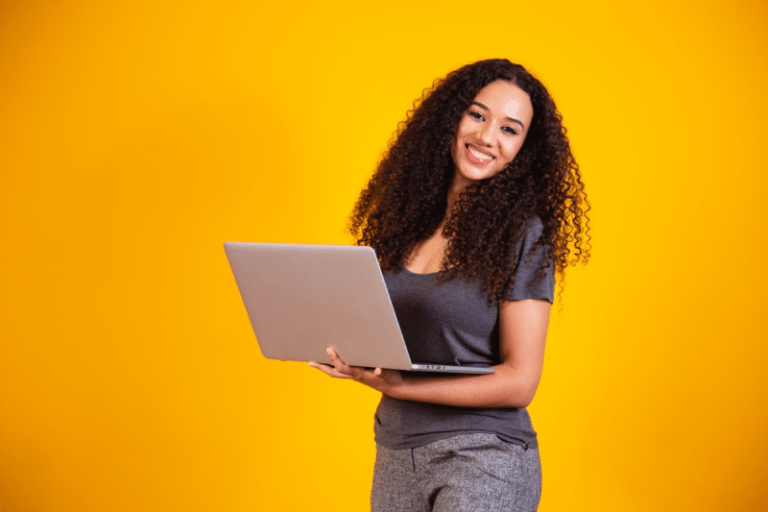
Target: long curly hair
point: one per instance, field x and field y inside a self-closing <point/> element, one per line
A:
<point x="406" y="199"/>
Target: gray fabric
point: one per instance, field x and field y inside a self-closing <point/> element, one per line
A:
<point x="463" y="473"/>
<point x="451" y="323"/>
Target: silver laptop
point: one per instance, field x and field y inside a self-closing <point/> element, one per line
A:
<point x="302" y="299"/>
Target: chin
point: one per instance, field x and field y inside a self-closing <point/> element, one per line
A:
<point x="477" y="176"/>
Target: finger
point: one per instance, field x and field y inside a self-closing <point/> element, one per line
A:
<point x="328" y="370"/>
<point x="336" y="360"/>
<point x="333" y="355"/>
<point x="352" y="372"/>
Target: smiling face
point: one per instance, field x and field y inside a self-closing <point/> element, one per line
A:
<point x="491" y="132"/>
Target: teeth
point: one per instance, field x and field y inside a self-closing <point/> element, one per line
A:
<point x="481" y="156"/>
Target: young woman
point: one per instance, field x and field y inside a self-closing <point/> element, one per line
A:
<point x="474" y="209"/>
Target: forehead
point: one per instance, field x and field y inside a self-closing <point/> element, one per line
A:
<point x="506" y="99"/>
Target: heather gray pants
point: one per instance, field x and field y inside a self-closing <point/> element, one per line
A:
<point x="469" y="472"/>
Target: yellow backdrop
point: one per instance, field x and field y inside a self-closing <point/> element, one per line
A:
<point x="136" y="137"/>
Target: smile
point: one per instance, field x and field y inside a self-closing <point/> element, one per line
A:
<point x="480" y="156"/>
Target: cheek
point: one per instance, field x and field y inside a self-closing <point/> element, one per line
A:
<point x="518" y="146"/>
<point x="455" y="143"/>
<point x="510" y="152"/>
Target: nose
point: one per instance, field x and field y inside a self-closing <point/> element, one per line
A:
<point x="485" y="134"/>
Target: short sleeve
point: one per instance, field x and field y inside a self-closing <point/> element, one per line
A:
<point x="526" y="285"/>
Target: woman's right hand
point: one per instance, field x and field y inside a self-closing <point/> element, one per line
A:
<point x="380" y="379"/>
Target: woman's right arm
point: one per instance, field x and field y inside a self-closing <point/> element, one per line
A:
<point x="523" y="331"/>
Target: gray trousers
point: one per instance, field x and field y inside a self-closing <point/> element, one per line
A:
<point x="471" y="472"/>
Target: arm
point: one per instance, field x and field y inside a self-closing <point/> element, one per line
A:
<point x="522" y="333"/>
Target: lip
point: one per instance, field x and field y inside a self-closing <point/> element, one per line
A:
<point x="474" y="159"/>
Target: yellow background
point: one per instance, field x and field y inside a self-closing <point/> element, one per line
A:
<point x="136" y="137"/>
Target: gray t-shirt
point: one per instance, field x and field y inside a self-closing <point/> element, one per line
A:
<point x="450" y="322"/>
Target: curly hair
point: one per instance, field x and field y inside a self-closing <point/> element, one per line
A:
<point x="406" y="199"/>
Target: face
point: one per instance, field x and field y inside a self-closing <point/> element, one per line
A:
<point x="490" y="132"/>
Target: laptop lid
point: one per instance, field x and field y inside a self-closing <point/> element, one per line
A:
<point x="302" y="299"/>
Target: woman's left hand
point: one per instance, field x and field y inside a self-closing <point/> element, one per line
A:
<point x="379" y="379"/>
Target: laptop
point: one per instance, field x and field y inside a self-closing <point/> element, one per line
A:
<point x="302" y="299"/>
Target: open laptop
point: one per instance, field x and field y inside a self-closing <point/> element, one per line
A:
<point x="302" y="299"/>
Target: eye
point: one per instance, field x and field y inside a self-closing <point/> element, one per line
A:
<point x="510" y="130"/>
<point x="476" y="115"/>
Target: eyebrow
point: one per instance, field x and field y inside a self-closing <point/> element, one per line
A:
<point x="512" y="119"/>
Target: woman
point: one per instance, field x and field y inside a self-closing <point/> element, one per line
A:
<point x="475" y="207"/>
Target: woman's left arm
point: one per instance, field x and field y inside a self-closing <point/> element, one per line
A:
<point x="522" y="333"/>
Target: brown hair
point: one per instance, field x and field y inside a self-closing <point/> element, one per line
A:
<point x="406" y="199"/>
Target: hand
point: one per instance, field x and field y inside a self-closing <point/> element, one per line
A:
<point x="378" y="378"/>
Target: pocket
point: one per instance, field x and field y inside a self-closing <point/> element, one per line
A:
<point x="513" y="441"/>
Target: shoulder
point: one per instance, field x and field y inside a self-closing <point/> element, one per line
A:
<point x="534" y="226"/>
<point x="530" y="235"/>
<point x="534" y="266"/>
